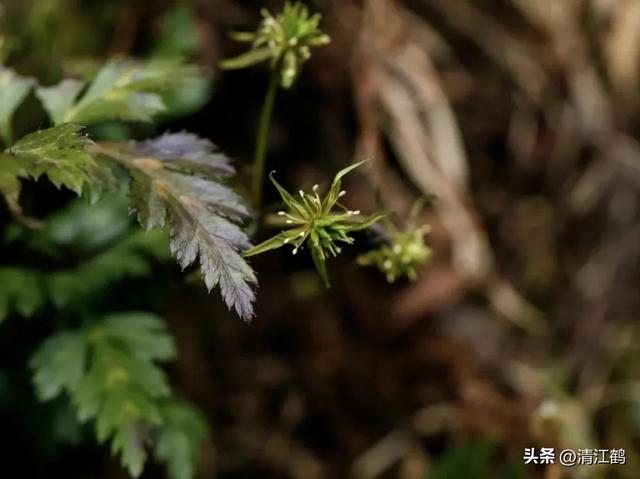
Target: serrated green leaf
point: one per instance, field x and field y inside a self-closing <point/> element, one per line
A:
<point x="28" y="298"/>
<point x="142" y="333"/>
<point x="21" y="291"/>
<point x="73" y="288"/>
<point x="173" y="181"/>
<point x="60" y="153"/>
<point x="125" y="405"/>
<point x="114" y="367"/>
<point x="109" y="249"/>
<point x="128" y="90"/>
<point x="128" y="441"/>
<point x="179" y="439"/>
<point x="88" y="228"/>
<point x="58" y="99"/>
<point x="13" y="90"/>
<point x="59" y="364"/>
<point x="110" y="373"/>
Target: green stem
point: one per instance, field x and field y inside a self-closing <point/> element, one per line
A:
<point x="259" y="158"/>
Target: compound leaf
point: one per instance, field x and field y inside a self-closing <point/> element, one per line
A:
<point x="129" y="258"/>
<point x="112" y="377"/>
<point x="140" y="332"/>
<point x="21" y="291"/>
<point x="178" y="441"/>
<point x="175" y="180"/>
<point x="59" y="364"/>
<point x="60" y="153"/>
<point x="122" y="90"/>
<point x="128" y="441"/>
<point x="107" y="248"/>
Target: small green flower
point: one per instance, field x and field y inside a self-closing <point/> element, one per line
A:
<point x="311" y="219"/>
<point x="285" y="40"/>
<point x="405" y="252"/>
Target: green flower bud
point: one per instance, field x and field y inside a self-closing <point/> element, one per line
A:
<point x="404" y="254"/>
<point x="284" y="40"/>
<point x="314" y="221"/>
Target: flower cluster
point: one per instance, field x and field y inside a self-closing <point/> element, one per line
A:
<point x="403" y="254"/>
<point x="312" y="220"/>
<point x="285" y="40"/>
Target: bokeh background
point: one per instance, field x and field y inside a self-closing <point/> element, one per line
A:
<point x="517" y="119"/>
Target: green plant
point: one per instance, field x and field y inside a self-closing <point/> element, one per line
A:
<point x="312" y="219"/>
<point x="402" y="252"/>
<point x="285" y="41"/>
<point x="101" y="246"/>
<point x="174" y="179"/>
<point x="110" y="373"/>
<point x="108" y="365"/>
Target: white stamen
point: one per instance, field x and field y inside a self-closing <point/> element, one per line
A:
<point x="356" y="212"/>
<point x="301" y="234"/>
<point x="294" y="251"/>
<point x="387" y="264"/>
<point x="342" y="193"/>
<point x="301" y="194"/>
<point x="281" y="213"/>
<point x="286" y="240"/>
<point x="289" y="222"/>
<point x="397" y="249"/>
<point x="316" y="187"/>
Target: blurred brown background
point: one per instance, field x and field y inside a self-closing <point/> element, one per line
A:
<point x="518" y="119"/>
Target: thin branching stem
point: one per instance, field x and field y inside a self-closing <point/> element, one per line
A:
<point x="260" y="155"/>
